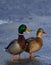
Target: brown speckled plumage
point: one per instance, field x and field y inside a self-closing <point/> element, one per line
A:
<point x="31" y="43"/>
<point x="35" y="43"/>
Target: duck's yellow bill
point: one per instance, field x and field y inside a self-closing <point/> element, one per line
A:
<point x="28" y="31"/>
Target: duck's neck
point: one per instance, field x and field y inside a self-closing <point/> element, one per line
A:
<point x="20" y="33"/>
<point x="39" y="39"/>
<point x="39" y="35"/>
<point x="21" y="38"/>
<point x="21" y="41"/>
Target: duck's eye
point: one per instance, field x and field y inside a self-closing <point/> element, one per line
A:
<point x="40" y="31"/>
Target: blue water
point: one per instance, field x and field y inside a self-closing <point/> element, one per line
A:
<point x="17" y="11"/>
<point x="8" y="32"/>
<point x="34" y="14"/>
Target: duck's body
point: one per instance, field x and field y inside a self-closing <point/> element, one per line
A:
<point x="17" y="46"/>
<point x="35" y="43"/>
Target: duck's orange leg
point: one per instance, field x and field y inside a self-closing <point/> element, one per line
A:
<point x="20" y="58"/>
<point x="13" y="58"/>
<point x="31" y="56"/>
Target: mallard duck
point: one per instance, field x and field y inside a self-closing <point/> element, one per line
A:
<point x="34" y="43"/>
<point x="17" y="46"/>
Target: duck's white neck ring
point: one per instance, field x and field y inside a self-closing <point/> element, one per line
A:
<point x="20" y="34"/>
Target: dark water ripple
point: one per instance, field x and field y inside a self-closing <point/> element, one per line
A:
<point x="26" y="62"/>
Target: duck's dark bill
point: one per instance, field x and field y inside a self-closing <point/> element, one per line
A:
<point x="44" y="33"/>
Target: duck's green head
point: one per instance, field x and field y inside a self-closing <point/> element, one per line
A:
<point x="23" y="28"/>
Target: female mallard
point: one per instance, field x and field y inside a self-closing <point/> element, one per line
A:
<point x="34" y="44"/>
<point x="18" y="45"/>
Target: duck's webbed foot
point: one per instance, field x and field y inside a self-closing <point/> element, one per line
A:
<point x="32" y="56"/>
<point x="13" y="58"/>
<point x="19" y="58"/>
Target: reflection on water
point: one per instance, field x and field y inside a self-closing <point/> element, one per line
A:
<point x="24" y="62"/>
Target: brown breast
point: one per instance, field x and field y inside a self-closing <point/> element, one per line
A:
<point x="21" y="41"/>
<point x="39" y="40"/>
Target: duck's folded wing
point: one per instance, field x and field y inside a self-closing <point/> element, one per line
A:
<point x="33" y="45"/>
<point x="12" y="42"/>
<point x="29" y="42"/>
<point x="14" y="47"/>
<point x="30" y="39"/>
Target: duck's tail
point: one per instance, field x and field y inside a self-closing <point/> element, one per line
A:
<point x="5" y="49"/>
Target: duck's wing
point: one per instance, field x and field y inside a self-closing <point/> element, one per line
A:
<point x="13" y="47"/>
<point x="12" y="42"/>
<point x="30" y="39"/>
<point x="33" y="44"/>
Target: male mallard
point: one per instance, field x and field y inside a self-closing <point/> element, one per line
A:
<point x="34" y="43"/>
<point x="18" y="45"/>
